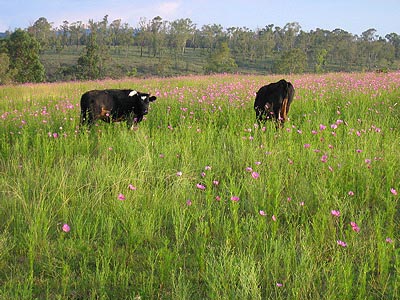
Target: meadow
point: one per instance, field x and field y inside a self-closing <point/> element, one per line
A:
<point x="199" y="201"/>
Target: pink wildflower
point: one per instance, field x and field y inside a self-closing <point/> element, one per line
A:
<point x="121" y="197"/>
<point x="279" y="284"/>
<point x="200" y="186"/>
<point x="189" y="202"/>
<point x="235" y="198"/>
<point x="341" y="243"/>
<point x="66" y="228"/>
<point x="273" y="218"/>
<point x="255" y="175"/>
<point x="179" y="173"/>
<point x="393" y="191"/>
<point x="262" y="213"/>
<point x="354" y="226"/>
<point x="131" y="187"/>
<point x="335" y="213"/>
<point x="389" y="240"/>
<point x="351" y="193"/>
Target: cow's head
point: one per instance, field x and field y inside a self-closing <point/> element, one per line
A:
<point x="141" y="104"/>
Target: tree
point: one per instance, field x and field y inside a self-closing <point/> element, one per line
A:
<point x="220" y="60"/>
<point x="76" y="31"/>
<point x="6" y="74"/>
<point x="394" y="40"/>
<point x="320" y="60"/>
<point x="41" y="30"/>
<point x="23" y="50"/>
<point x="211" y="35"/>
<point x="89" y="62"/>
<point x="180" y="32"/>
<point x="143" y="35"/>
<point x="292" y="61"/>
<point x="157" y="28"/>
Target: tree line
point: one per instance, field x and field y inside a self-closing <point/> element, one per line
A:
<point x="271" y="49"/>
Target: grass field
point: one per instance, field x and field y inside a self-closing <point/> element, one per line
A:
<point x="199" y="202"/>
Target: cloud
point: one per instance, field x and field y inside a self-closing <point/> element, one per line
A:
<point x="169" y="9"/>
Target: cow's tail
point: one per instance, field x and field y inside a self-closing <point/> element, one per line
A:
<point x="284" y="109"/>
<point x="287" y="99"/>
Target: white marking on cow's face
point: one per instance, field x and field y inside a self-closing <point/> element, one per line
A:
<point x="133" y="93"/>
<point x="143" y="97"/>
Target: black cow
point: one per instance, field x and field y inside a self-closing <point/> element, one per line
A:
<point x="114" y="106"/>
<point x="273" y="101"/>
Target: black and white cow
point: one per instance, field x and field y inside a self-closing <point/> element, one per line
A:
<point x="273" y="101"/>
<point x="114" y="106"/>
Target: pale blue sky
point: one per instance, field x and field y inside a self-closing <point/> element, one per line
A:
<point x="354" y="16"/>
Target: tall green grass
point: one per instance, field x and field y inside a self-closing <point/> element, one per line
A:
<point x="170" y="238"/>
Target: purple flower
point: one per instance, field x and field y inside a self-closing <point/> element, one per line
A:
<point x="273" y="218"/>
<point x="255" y="175"/>
<point x="66" y="228"/>
<point x="200" y="186"/>
<point x="354" y="226"/>
<point x="350" y="193"/>
<point x="131" y="187"/>
<point x="279" y="284"/>
<point x="189" y="202"/>
<point x="235" y="198"/>
<point x="335" y="213"/>
<point x="262" y="213"/>
<point x="322" y="127"/>
<point x="393" y="191"/>
<point x="389" y="240"/>
<point x="179" y="173"/>
<point x="341" y="243"/>
<point x="121" y="197"/>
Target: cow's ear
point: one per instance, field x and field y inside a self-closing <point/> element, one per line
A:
<point x="133" y="93"/>
<point x="152" y="98"/>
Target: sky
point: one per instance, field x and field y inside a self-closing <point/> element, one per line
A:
<point x="354" y="16"/>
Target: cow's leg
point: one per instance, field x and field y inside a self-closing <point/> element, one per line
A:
<point x="277" y="110"/>
<point x="259" y="115"/>
<point x="83" y="119"/>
